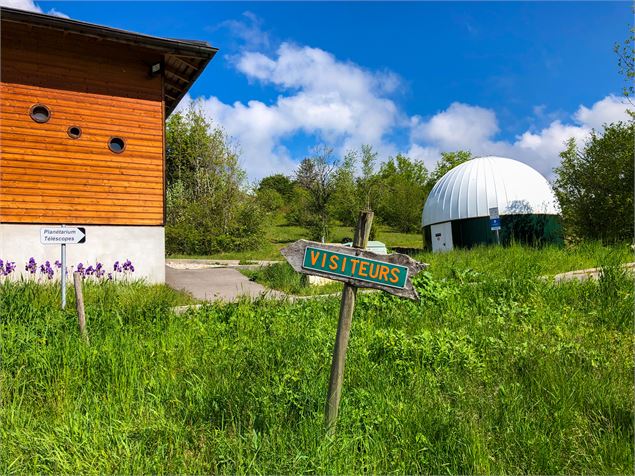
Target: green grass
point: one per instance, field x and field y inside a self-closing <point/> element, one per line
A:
<point x="495" y="371"/>
<point x="282" y="277"/>
<point x="278" y="234"/>
<point x="550" y="260"/>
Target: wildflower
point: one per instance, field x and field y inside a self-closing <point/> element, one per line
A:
<point x="31" y="266"/>
<point x="117" y="267"/>
<point x="47" y="270"/>
<point x="58" y="264"/>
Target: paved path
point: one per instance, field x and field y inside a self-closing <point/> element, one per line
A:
<point x="591" y="273"/>
<point x="217" y="263"/>
<point x="211" y="284"/>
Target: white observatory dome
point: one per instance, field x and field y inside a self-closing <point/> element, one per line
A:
<point x="472" y="188"/>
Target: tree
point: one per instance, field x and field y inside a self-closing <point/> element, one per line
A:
<point x="345" y="204"/>
<point x="270" y="200"/>
<point x="279" y="183"/>
<point x="405" y="186"/>
<point x="316" y="175"/>
<point x="367" y="184"/>
<point x="354" y="192"/>
<point x="594" y="185"/>
<point x="448" y="161"/>
<point x="626" y="62"/>
<point x="201" y="157"/>
<point x="207" y="207"/>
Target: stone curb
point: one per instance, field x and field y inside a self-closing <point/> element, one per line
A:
<point x="590" y="273"/>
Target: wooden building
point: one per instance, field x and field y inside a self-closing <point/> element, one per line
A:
<point x="82" y="129"/>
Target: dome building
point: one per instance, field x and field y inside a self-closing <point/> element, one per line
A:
<point x="457" y="211"/>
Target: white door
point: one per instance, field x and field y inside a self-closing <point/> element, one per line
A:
<point x="441" y="236"/>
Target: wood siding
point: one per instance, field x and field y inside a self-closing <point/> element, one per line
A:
<point x="105" y="89"/>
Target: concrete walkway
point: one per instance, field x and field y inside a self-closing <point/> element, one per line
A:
<point x="217" y="263"/>
<point x="212" y="284"/>
<point x="591" y="273"/>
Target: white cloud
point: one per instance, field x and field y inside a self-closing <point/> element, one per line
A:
<point x="346" y="105"/>
<point x="609" y="109"/>
<point x="56" y="13"/>
<point x="459" y="126"/>
<point x="428" y="155"/>
<point x="463" y="126"/>
<point x="339" y="102"/>
<point x="30" y="6"/>
<point x="248" y="30"/>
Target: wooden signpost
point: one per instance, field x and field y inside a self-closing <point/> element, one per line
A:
<point x="356" y="267"/>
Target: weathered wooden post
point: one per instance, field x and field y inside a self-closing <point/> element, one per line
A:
<point x="349" y="296"/>
<point x="79" y="304"/>
<point x="355" y="267"/>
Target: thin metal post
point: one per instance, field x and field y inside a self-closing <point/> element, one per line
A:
<point x="498" y="238"/>
<point x="63" y="274"/>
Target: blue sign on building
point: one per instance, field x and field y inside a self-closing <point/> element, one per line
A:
<point x="495" y="224"/>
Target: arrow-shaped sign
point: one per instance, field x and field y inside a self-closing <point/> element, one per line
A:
<point x="62" y="235"/>
<point x="391" y="273"/>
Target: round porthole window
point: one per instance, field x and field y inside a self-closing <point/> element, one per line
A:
<point x="74" y="132"/>
<point x="117" y="145"/>
<point x="40" y="113"/>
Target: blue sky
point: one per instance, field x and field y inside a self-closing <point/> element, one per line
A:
<point x="505" y="78"/>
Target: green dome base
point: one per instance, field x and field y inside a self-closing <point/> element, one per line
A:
<point x="527" y="229"/>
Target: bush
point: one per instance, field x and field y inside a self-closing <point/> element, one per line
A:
<point x="198" y="231"/>
<point x="594" y="185"/>
<point x="208" y="210"/>
<point x="269" y="199"/>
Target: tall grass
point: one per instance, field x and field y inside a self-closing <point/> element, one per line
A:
<point x="282" y="277"/>
<point x="496" y="371"/>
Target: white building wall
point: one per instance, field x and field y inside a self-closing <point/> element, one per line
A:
<point x="144" y="246"/>
<point x="441" y="234"/>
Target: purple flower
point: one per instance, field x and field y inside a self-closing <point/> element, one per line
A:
<point x="6" y="267"/>
<point x="90" y="271"/>
<point x="58" y="264"/>
<point x="47" y="269"/>
<point x="80" y="269"/>
<point x="110" y="276"/>
<point x="127" y="266"/>
<point x="31" y="266"/>
<point x="117" y="267"/>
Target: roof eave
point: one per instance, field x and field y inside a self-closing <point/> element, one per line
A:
<point x="178" y="47"/>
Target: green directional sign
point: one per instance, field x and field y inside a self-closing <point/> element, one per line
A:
<point x="357" y="267"/>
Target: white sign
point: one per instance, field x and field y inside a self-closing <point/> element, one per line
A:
<point x="62" y="235"/>
<point x="493" y="213"/>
